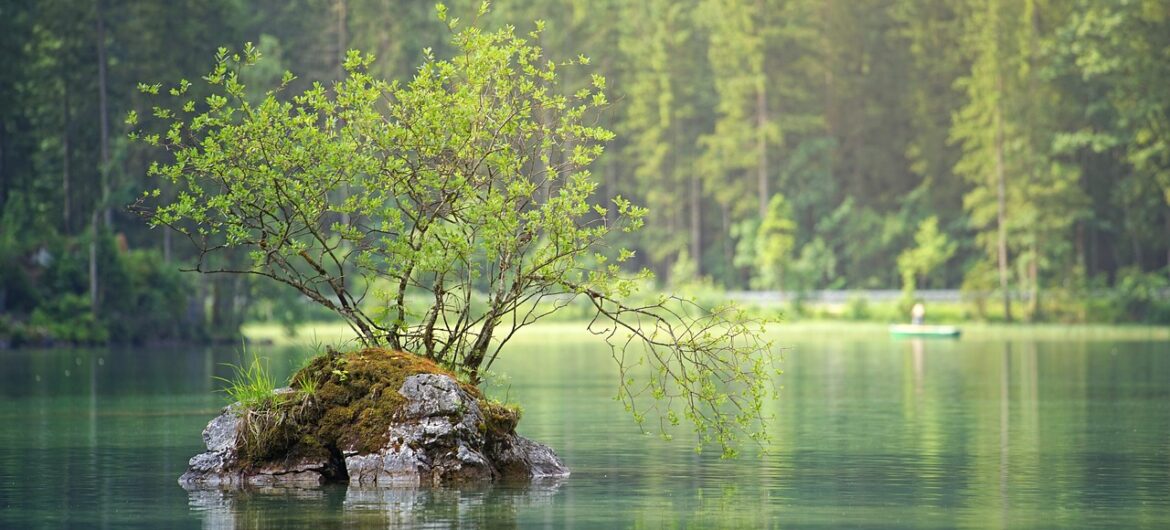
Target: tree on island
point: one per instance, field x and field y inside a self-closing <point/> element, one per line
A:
<point x="442" y="215"/>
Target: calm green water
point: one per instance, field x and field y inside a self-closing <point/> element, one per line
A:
<point x="869" y="432"/>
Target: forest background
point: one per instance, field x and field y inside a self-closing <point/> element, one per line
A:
<point x="1015" y="150"/>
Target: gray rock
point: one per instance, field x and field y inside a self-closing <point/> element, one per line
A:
<point x="218" y="466"/>
<point x="300" y="473"/>
<point x="213" y="467"/>
<point x="439" y="437"/>
<point x="520" y="457"/>
<point x="435" y="441"/>
<point x="220" y="434"/>
<point x="435" y="395"/>
<point x="391" y="466"/>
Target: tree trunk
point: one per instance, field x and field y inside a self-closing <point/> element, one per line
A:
<point x="762" y="146"/>
<point x="830" y="82"/>
<point x="1033" y="106"/>
<point x="342" y="38"/>
<point x="1080" y="245"/>
<point x="1093" y="255"/>
<point x="1001" y="205"/>
<point x="342" y="43"/>
<point x="65" y="149"/>
<point x="1034" y="282"/>
<point x="103" y="116"/>
<point x="93" y="271"/>
<point x="475" y="357"/>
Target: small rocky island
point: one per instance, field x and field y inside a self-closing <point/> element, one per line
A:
<point x="372" y="417"/>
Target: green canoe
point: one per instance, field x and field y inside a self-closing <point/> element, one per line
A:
<point x="915" y="330"/>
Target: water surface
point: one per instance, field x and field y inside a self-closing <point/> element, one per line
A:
<point x="1028" y="432"/>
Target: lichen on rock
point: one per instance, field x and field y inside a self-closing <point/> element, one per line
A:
<point x="371" y="417"/>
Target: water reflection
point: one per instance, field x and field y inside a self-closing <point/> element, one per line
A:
<point x="494" y="506"/>
<point x="123" y="371"/>
<point x="867" y="432"/>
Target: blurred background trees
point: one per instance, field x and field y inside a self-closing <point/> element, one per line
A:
<point x="1036" y="132"/>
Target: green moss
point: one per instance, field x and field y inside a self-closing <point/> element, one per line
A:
<point x="501" y="418"/>
<point x="353" y="400"/>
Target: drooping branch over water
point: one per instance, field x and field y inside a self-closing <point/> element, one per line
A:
<point x="714" y="364"/>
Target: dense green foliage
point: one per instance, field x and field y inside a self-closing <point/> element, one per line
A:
<point x="362" y="195"/>
<point x="466" y="188"/>
<point x="1035" y="131"/>
<point x="45" y="283"/>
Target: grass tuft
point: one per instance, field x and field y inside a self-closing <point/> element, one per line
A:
<point x="250" y="385"/>
<point x="305" y="383"/>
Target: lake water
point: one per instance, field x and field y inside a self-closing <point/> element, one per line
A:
<point x="1045" y="431"/>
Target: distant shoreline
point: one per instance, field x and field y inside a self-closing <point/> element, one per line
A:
<point x="333" y="333"/>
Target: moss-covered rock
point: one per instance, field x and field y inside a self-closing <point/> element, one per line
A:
<point x="370" y="417"/>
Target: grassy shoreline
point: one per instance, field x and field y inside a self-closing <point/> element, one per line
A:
<point x="319" y="334"/>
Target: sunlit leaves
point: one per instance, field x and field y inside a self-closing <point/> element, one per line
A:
<point x="434" y="215"/>
<point x="446" y="179"/>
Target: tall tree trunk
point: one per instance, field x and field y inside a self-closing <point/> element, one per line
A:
<point x="1034" y="281"/>
<point x="65" y="150"/>
<point x="103" y="116"/>
<point x="830" y="82"/>
<point x="1001" y="204"/>
<point x="1079" y="244"/>
<point x="1093" y="255"/>
<point x="761" y="117"/>
<point x="342" y="44"/>
<point x="1033" y="106"/>
<point x="762" y="147"/>
<point x="342" y="38"/>
<point x="103" y="170"/>
<point x="93" y="270"/>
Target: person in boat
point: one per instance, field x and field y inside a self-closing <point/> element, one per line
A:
<point x="918" y="314"/>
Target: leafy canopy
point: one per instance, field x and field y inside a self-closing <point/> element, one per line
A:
<point x="441" y="215"/>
